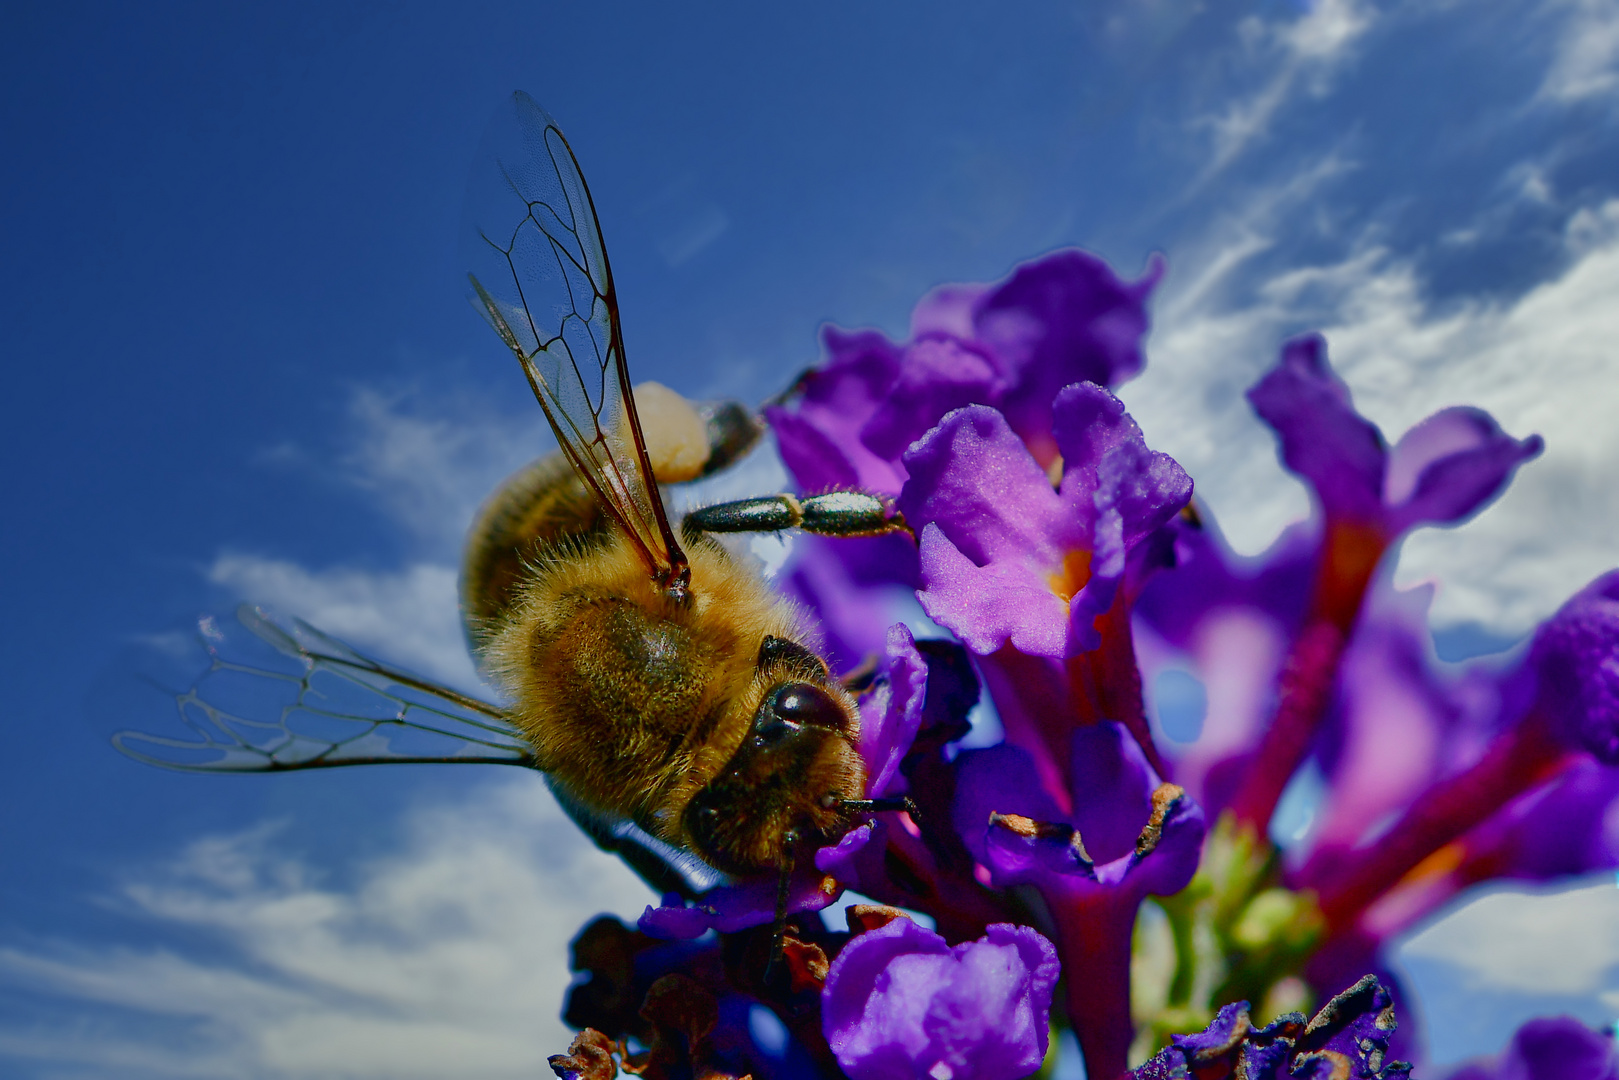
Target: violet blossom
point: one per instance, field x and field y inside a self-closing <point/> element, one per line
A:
<point x="900" y="1002"/>
<point x="1065" y="568"/>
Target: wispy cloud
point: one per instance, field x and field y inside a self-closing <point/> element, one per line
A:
<point x="430" y="462"/>
<point x="410" y="616"/>
<point x="1302" y="55"/>
<point x="1545" y="942"/>
<point x="1585" y="62"/>
<point x="1542" y="362"/>
<point x="447" y="956"/>
<point x="1508" y="956"/>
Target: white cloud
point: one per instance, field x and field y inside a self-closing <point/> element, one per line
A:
<point x="1305" y="53"/>
<point x="1545" y="362"/>
<point x="430" y="470"/>
<point x="1585" y="62"/>
<point x="445" y="957"/>
<point x="409" y="616"/>
<point x="1563" y="942"/>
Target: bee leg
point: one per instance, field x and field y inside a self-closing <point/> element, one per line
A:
<point x="778" y="929"/>
<point x="837" y="513"/>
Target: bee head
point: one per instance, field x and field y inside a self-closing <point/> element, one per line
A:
<point x="796" y="766"/>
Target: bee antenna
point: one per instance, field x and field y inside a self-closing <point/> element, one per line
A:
<point x="778" y="929"/>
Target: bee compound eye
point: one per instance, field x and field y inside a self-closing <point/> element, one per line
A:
<point x="806" y="705"/>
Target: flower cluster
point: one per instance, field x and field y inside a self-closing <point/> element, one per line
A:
<point x="1085" y="865"/>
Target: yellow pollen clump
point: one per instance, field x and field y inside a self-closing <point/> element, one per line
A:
<point x="676" y="437"/>
<point x="1072" y="575"/>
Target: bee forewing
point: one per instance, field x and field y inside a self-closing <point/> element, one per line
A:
<point x="540" y="277"/>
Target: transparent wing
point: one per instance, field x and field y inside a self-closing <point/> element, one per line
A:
<point x="540" y="277"/>
<point x="275" y="697"/>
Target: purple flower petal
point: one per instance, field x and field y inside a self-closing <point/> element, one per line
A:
<point x="849" y="860"/>
<point x="901" y="1004"/>
<point x="1118" y="799"/>
<point x="1113" y="786"/>
<point x="1063" y="319"/>
<point x="1322" y="438"/>
<point x="1576" y="661"/>
<point x="820" y="441"/>
<point x="993" y="535"/>
<point x="992" y="605"/>
<point x="1000" y="780"/>
<point x="1568" y="828"/>
<point x="889" y="718"/>
<point x="947" y="310"/>
<point x="1005" y="560"/>
<point x="852" y="617"/>
<point x="938" y="376"/>
<point x="1442" y="471"/>
<point x="1553" y="1048"/>
<point x="1348" y="1037"/>
<point x="1449" y="466"/>
<point x="1107" y="466"/>
<point x="729" y="908"/>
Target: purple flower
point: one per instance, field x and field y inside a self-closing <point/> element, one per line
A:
<point x="1556" y="1048"/>
<point x="901" y="1004"/>
<point x="1440" y="472"/>
<point x="855" y="586"/>
<point x="1126" y="835"/>
<point x="1572" y="675"/>
<point x="1576" y="664"/>
<point x="1007" y="560"/>
<point x="728" y="908"/>
<point x="1062" y="554"/>
<point x="1348" y="1037"/>
<point x="1058" y="320"/>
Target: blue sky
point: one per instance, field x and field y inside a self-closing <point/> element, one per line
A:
<point x="239" y="365"/>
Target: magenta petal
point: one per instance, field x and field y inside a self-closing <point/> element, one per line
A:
<point x="889" y="719"/>
<point x="901" y="1004"/>
<point x="736" y="907"/>
<point x="1323" y="440"/>
<point x="1575" y="658"/>
<point x="1450" y="466"/>
<point x="1063" y="319"/>
<point x="843" y="860"/>
<point x="937" y="376"/>
<point x="990" y="606"/>
<point x="974" y="478"/>
<point x="1551" y="1048"/>
<point x="820" y="439"/>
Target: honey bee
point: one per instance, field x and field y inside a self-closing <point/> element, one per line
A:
<point x="677" y="705"/>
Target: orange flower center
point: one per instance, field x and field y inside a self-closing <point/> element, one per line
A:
<point x="1072" y="575"/>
